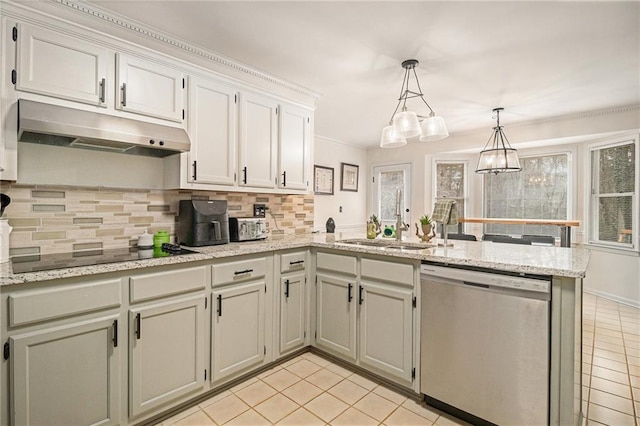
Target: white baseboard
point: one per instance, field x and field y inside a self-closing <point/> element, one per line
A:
<point x="623" y="300"/>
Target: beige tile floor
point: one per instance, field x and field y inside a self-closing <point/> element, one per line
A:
<point x="310" y="390"/>
<point x="610" y="362"/>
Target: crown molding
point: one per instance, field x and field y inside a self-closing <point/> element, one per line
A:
<point x="96" y="13"/>
<point x="581" y="115"/>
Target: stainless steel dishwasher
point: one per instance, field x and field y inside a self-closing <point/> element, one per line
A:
<point x="485" y="344"/>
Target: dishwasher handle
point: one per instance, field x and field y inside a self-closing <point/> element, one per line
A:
<point x="472" y="284"/>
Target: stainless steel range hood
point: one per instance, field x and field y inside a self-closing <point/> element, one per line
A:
<point x="61" y="126"/>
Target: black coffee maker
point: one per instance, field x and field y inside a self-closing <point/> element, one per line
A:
<point x="203" y="223"/>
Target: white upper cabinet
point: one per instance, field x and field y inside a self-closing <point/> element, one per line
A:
<point x="53" y="64"/>
<point x="213" y="130"/>
<point x="294" y="148"/>
<point x="148" y="88"/>
<point x="258" y="141"/>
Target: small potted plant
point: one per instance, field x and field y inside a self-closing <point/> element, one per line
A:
<point x="425" y="221"/>
<point x="373" y="227"/>
<point x="427" y="229"/>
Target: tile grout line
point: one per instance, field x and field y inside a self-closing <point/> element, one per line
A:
<point x="626" y="358"/>
<point x="592" y="346"/>
<point x="628" y="375"/>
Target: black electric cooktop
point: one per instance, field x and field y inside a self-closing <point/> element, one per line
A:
<point x="48" y="262"/>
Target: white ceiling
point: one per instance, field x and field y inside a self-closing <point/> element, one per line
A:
<point x="536" y="59"/>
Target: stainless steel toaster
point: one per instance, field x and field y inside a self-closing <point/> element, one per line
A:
<point x="247" y="228"/>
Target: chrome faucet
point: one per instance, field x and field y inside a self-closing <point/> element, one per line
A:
<point x="400" y="225"/>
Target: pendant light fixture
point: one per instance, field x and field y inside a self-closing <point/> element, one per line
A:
<point x="407" y="124"/>
<point x="500" y="158"/>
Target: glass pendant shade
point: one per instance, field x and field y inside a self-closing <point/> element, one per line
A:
<point x="499" y="160"/>
<point x="406" y="124"/>
<point x="390" y="139"/>
<point x="433" y="129"/>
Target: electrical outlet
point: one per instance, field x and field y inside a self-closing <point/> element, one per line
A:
<point x="259" y="210"/>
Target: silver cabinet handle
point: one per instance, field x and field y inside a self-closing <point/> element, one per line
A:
<point x="124" y="94"/>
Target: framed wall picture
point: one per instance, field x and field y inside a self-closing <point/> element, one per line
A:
<point x="323" y="180"/>
<point x="348" y="177"/>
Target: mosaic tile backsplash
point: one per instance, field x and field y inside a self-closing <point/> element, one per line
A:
<point x="60" y="219"/>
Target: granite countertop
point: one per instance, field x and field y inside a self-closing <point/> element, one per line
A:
<point x="559" y="261"/>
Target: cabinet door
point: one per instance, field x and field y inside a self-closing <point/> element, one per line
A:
<point x="52" y="64"/>
<point x="292" y="312"/>
<point x="150" y="89"/>
<point x="166" y="352"/>
<point x="237" y="328"/>
<point x="212" y="128"/>
<point x="386" y="329"/>
<point x="258" y="143"/>
<point x="67" y="375"/>
<point x="336" y="310"/>
<point x="294" y="148"/>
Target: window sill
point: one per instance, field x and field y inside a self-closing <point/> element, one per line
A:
<point x="613" y="250"/>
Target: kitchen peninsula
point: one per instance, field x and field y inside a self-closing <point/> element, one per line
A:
<point x="278" y="297"/>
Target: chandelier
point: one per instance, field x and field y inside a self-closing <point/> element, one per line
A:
<point x="500" y="158"/>
<point x="407" y="124"/>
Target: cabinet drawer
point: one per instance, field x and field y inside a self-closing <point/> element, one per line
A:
<point x="293" y="261"/>
<point x="63" y="301"/>
<point x="241" y="270"/>
<point x="399" y="273"/>
<point x="336" y="263"/>
<point x="160" y="284"/>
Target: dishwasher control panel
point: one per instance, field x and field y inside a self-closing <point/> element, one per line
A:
<point x="486" y="279"/>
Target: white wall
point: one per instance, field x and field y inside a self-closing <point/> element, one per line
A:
<point x="614" y="275"/>
<point x="354" y="215"/>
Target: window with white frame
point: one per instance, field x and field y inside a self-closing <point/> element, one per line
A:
<point x="613" y="218"/>
<point x="540" y="191"/>
<point x="451" y="183"/>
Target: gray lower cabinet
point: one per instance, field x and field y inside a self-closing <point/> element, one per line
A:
<point x="365" y="313"/>
<point x="386" y="329"/>
<point x="292" y="300"/>
<point x="166" y="352"/>
<point x="336" y="304"/>
<point x="292" y="312"/>
<point x="336" y="314"/>
<point x="237" y="328"/>
<point x="69" y="374"/>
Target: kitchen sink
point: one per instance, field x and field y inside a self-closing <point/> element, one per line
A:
<point x="387" y="244"/>
<point x="403" y="247"/>
<point x="379" y="243"/>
